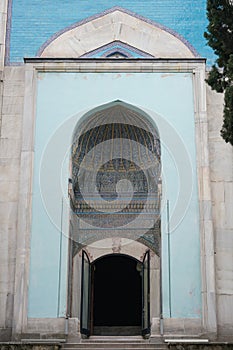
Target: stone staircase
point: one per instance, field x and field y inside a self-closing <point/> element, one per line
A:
<point x="114" y="343"/>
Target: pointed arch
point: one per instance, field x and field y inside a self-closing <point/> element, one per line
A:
<point x="112" y="143"/>
<point x="117" y="24"/>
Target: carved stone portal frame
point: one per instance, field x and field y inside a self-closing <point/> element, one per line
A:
<point x="196" y="66"/>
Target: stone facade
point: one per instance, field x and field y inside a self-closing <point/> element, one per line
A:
<point x="214" y="167"/>
<point x="221" y="157"/>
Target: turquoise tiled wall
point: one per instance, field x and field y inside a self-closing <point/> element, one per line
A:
<point x="34" y="21"/>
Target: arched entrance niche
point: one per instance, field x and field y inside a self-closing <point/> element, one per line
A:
<point x="115" y="201"/>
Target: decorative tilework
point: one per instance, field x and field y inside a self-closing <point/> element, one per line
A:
<point x="117" y="46"/>
<point x="34" y="22"/>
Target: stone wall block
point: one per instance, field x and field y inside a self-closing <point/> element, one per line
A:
<point x="11" y="127"/>
<point x="225" y="315"/>
<point x="13" y="88"/>
<point x="229" y="204"/>
<point x="3" y="251"/>
<point x="95" y="25"/>
<point x="29" y="112"/>
<point x="9" y="191"/>
<point x="13" y="105"/>
<point x="101" y="36"/>
<point x="225" y="259"/>
<point x="181" y="326"/>
<point x="57" y="50"/>
<point x="204" y="185"/>
<point x="14" y="73"/>
<point x="205" y="150"/>
<point x="201" y="134"/>
<point x="3" y="6"/>
<point x="8" y="213"/>
<point x="212" y="97"/>
<point x="224" y="240"/>
<point x="215" y="102"/>
<point x="9" y="169"/>
<point x="3" y="297"/>
<point x="52" y="325"/>
<point x="224" y="276"/>
<point x="221" y="156"/>
<point x="215" y="119"/>
<point x="2" y="25"/>
<point x="206" y="207"/>
<point x="4" y="276"/>
<point x="9" y="148"/>
<point x="26" y="177"/>
<point x="4" y="273"/>
<point x="219" y="213"/>
<point x="218" y="194"/>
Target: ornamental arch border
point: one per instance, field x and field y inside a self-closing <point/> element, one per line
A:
<point x="117" y="25"/>
<point x="195" y="66"/>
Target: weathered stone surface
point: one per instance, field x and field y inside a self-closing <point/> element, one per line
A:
<point x="215" y="119"/>
<point x="224" y="239"/>
<point x="11" y="126"/>
<point x="181" y="326"/>
<point x="14" y="73"/>
<point x="13" y="88"/>
<point x="2" y="26"/>
<point x="9" y="191"/>
<point x="219" y="214"/>
<point x="221" y="165"/>
<point x="228" y="186"/>
<point x="9" y="148"/>
<point x="211" y="346"/>
<point x="30" y="346"/>
<point x="225" y="304"/>
<point x="9" y="169"/>
<point x="221" y="155"/>
<point x="52" y="325"/>
<point x="8" y="213"/>
<point x="13" y="105"/>
<point x="3" y="6"/>
<point x="218" y="196"/>
<point x="224" y="259"/>
<point x="3" y="297"/>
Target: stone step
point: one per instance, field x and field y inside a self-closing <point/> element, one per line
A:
<point x="117" y="331"/>
<point x="132" y="347"/>
<point x="122" y="346"/>
<point x="114" y="339"/>
<point x="114" y="345"/>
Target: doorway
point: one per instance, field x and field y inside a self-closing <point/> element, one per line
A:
<point x="115" y="295"/>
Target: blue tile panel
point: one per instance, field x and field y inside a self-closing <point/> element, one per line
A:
<point x="35" y="21"/>
<point x="117" y="47"/>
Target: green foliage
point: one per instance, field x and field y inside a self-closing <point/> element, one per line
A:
<point x="219" y="36"/>
<point x="227" y="128"/>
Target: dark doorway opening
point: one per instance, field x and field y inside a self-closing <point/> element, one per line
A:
<point x="117" y="295"/>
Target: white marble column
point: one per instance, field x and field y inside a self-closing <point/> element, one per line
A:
<point x="25" y="204"/>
